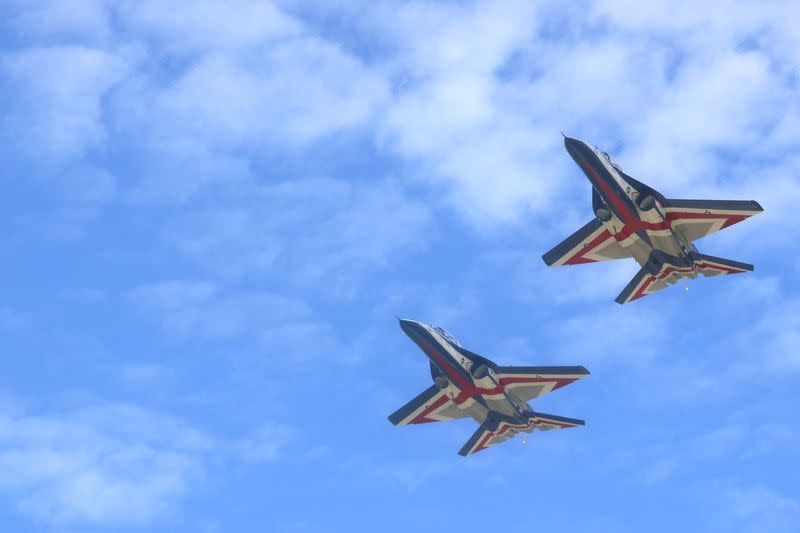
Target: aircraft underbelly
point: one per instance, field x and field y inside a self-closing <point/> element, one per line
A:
<point x="501" y="405"/>
<point x="635" y="246"/>
<point x="665" y="243"/>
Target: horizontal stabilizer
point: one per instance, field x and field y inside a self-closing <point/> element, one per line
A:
<point x="477" y="442"/>
<point x="644" y="283"/>
<point x="544" y="422"/>
<point x="715" y="266"/>
<point x="501" y="430"/>
<point x="489" y="435"/>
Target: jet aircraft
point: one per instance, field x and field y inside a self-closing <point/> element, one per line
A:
<point x="468" y="385"/>
<point x="634" y="220"/>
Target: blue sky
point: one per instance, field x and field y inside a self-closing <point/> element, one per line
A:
<point x="213" y="212"/>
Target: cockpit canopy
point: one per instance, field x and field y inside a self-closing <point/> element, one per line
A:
<point x="611" y="161"/>
<point x="444" y="333"/>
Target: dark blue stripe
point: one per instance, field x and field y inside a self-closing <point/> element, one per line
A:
<point x="561" y="249"/>
<point x="420" y="400"/>
<point x="732" y="205"/>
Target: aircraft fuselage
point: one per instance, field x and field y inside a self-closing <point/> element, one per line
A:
<point x="632" y="213"/>
<point x="468" y="380"/>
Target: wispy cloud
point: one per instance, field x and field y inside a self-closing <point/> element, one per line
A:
<point x="113" y="464"/>
<point x="55" y="112"/>
<point x="751" y="508"/>
<point x="105" y="465"/>
<point x="309" y="230"/>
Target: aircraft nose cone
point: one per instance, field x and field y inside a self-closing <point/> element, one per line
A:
<point x="406" y="324"/>
<point x="571" y="144"/>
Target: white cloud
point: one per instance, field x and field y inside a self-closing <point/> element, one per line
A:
<point x="753" y="508"/>
<point x="57" y="96"/>
<point x="114" y="464"/>
<point x="309" y="229"/>
<point x="265" y="443"/>
<point x="200" y="310"/>
<point x="284" y="328"/>
<point x="179" y="27"/>
<point x="288" y="93"/>
<point x="103" y="465"/>
<point x="61" y="21"/>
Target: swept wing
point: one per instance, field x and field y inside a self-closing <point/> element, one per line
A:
<point x="432" y="405"/>
<point x="590" y="244"/>
<point x="697" y="218"/>
<point x="529" y="382"/>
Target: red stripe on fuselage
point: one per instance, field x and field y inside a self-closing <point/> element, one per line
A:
<point x="627" y="215"/>
<point x="629" y="229"/>
<point x="632" y="223"/>
<point x="467" y="390"/>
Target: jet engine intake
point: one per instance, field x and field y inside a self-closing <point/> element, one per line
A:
<point x="480" y="371"/>
<point x="650" y="210"/>
<point x="647" y="203"/>
<point x="603" y="215"/>
<point x="484" y="377"/>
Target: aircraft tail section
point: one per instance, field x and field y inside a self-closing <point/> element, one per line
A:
<point x="477" y="442"/>
<point x="715" y="266"/>
<point x="673" y="269"/>
<point x="490" y="433"/>
<point x="544" y="422"/>
<point x="642" y="284"/>
<point x="497" y="430"/>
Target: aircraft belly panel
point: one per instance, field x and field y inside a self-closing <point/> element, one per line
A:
<point x="501" y="405"/>
<point x="639" y="249"/>
<point x="665" y="242"/>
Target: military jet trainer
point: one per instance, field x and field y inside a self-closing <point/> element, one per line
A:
<point x="468" y="385"/>
<point x="634" y="220"/>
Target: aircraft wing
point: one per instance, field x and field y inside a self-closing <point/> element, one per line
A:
<point x="433" y="405"/>
<point x="697" y="218"/>
<point x="529" y="382"/>
<point x="590" y="244"/>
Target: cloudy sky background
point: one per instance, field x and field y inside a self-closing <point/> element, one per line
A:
<point x="212" y="212"/>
